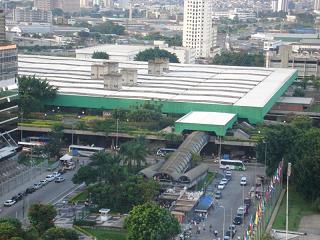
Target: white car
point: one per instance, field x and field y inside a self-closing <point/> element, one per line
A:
<point x="56" y="174"/>
<point x="228" y="173"/>
<point x="243" y="181"/>
<point x="43" y="182"/>
<point x="37" y="185"/>
<point x="221" y="186"/>
<point x="224" y="181"/>
<point x="9" y="203"/>
<point x="241" y="210"/>
<point x="50" y="177"/>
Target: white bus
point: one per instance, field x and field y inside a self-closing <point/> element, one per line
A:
<point x="232" y="164"/>
<point x="84" y="151"/>
<point x="27" y="146"/>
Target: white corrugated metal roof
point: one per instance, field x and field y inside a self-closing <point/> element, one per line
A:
<point x="240" y="86"/>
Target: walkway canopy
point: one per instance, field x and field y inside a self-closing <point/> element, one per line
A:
<point x="179" y="161"/>
<point x="206" y="121"/>
<point x="191" y="177"/>
<point x="152" y="170"/>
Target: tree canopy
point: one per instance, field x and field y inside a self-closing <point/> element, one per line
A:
<point x="238" y="59"/>
<point x="112" y="186"/>
<point x="108" y="27"/>
<point x="297" y="142"/>
<point x="152" y="53"/>
<point x="60" y="233"/>
<point x="41" y="216"/>
<point x="149" y="221"/>
<point x="33" y="92"/>
<point x="56" y="142"/>
<point x="100" y="55"/>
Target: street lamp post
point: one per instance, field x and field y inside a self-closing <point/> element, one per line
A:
<point x="287" y="212"/>
<point x="265" y="152"/>
<point x="224" y="219"/>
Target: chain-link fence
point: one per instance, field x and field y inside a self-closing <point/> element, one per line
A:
<point x="22" y="178"/>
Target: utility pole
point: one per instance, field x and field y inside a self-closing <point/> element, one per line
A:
<point x="287" y="212"/>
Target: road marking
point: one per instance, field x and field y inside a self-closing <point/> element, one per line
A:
<point x="67" y="193"/>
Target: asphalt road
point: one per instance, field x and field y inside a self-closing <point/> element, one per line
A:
<point x="232" y="198"/>
<point x="49" y="193"/>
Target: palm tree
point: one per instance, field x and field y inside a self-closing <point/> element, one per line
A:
<point x="134" y="152"/>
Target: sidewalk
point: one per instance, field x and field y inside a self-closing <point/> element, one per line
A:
<point x="22" y="188"/>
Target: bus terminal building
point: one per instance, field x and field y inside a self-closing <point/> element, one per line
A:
<point x="211" y="97"/>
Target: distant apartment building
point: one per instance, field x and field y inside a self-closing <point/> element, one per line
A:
<point x="2" y="26"/>
<point x="34" y="15"/>
<point x="307" y="63"/>
<point x="45" y="5"/>
<point x="237" y="13"/>
<point x="65" y="5"/>
<point x="197" y="27"/>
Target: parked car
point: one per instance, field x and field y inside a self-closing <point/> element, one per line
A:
<point x="228" y="177"/>
<point x="228" y="173"/>
<point x="9" y="203"/>
<point x="217" y="195"/>
<point x="242" y="210"/>
<point x="233" y="228"/>
<point x="37" y="185"/>
<point x="224" y="181"/>
<point x="18" y="197"/>
<point x="43" y="182"/>
<point x="243" y="181"/>
<point x="247" y="201"/>
<point x="59" y="179"/>
<point x="50" y="177"/>
<point x="230" y="234"/>
<point x="30" y="190"/>
<point x="221" y="186"/>
<point x="56" y="174"/>
<point x="226" y="238"/>
<point x="237" y="220"/>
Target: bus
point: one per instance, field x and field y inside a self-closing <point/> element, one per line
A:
<point x="162" y="152"/>
<point x="232" y="164"/>
<point x="84" y="151"/>
<point x="27" y="146"/>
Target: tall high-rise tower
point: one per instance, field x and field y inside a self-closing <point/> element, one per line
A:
<point x="317" y="6"/>
<point x="283" y="5"/>
<point x="197" y="26"/>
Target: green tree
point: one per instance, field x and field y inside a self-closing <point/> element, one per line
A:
<point x="56" y="142"/>
<point x="149" y="221"/>
<point x="10" y="228"/>
<point x="298" y="92"/>
<point x="100" y="55"/>
<point x="41" y="216"/>
<point x="33" y="92"/>
<point x="152" y="53"/>
<point x="238" y="59"/>
<point x="134" y="152"/>
<point x="108" y="27"/>
<point x="60" y="233"/>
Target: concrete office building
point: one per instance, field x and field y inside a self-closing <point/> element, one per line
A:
<point x="70" y="5"/>
<point x="197" y="27"/>
<point x="307" y="63"/>
<point x="34" y="15"/>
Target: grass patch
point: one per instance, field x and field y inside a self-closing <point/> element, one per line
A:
<point x="315" y="108"/>
<point x="203" y="184"/>
<point x="298" y="207"/>
<point x="107" y="234"/>
<point x="80" y="197"/>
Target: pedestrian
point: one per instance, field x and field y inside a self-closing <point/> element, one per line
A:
<point x="215" y="233"/>
<point x="210" y="228"/>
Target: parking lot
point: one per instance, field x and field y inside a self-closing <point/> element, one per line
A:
<point x="231" y="199"/>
